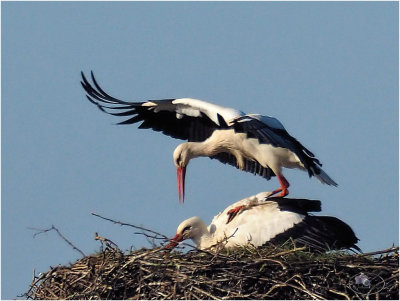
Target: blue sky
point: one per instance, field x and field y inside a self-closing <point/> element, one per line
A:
<point x="327" y="71"/>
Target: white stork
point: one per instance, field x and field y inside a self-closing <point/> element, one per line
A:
<point x="251" y="142"/>
<point x="272" y="220"/>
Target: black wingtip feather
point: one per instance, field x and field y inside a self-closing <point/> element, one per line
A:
<point x="132" y="120"/>
<point x="126" y="113"/>
<point x="98" y="87"/>
<point x="163" y="119"/>
<point x="96" y="104"/>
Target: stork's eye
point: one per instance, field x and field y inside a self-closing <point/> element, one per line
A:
<point x="187" y="228"/>
<point x="178" y="160"/>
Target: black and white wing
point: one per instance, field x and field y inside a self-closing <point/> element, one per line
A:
<point x="183" y="118"/>
<point x="320" y="233"/>
<point x="264" y="219"/>
<point x="269" y="130"/>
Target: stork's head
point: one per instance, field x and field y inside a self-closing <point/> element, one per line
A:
<point x="192" y="228"/>
<point x="182" y="156"/>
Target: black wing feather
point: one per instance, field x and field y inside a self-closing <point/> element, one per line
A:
<point x="320" y="233"/>
<point x="301" y="206"/>
<point x="186" y="128"/>
<point x="249" y="166"/>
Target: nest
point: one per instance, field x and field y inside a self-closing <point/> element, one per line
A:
<point x="264" y="273"/>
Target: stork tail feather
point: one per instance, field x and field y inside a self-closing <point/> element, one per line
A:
<point x="323" y="177"/>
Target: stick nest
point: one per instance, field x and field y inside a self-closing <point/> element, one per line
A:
<point x="264" y="273"/>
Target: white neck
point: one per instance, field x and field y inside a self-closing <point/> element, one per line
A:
<point x="201" y="149"/>
<point x="204" y="239"/>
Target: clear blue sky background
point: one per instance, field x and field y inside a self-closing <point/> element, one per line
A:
<point x="327" y="71"/>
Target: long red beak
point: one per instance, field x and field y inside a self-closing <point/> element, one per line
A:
<point x="174" y="241"/>
<point x="180" y="174"/>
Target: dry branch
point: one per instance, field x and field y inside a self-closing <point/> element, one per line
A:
<point x="53" y="228"/>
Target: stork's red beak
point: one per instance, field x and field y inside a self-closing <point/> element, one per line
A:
<point x="180" y="174"/>
<point x="174" y="241"/>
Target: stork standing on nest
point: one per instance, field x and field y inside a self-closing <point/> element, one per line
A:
<point x="262" y="220"/>
<point x="251" y="142"/>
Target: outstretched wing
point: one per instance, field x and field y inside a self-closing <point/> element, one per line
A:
<point x="185" y="118"/>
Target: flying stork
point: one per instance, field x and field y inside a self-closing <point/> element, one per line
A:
<point x="251" y="142"/>
<point x="268" y="220"/>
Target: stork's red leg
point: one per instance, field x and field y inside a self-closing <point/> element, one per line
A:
<point x="283" y="192"/>
<point x="284" y="187"/>
<point x="233" y="212"/>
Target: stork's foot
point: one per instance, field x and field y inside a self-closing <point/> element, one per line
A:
<point x="283" y="192"/>
<point x="233" y="212"/>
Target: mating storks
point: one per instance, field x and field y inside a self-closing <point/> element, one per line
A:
<point x="251" y="142"/>
<point x="268" y="220"/>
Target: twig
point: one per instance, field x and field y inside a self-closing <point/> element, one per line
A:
<point x="109" y="243"/>
<point x="205" y="293"/>
<point x="389" y="250"/>
<point x="129" y="225"/>
<point x="41" y="231"/>
<point x="287" y="252"/>
<point x="304" y="288"/>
